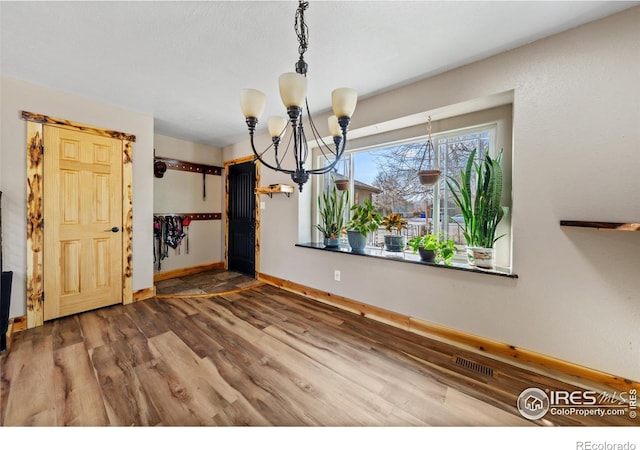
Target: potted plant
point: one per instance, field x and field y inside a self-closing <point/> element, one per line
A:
<point x="342" y="184"/>
<point x="364" y="220"/>
<point x="432" y="249"/>
<point x="428" y="177"/>
<point x="332" y="206"/>
<point x="394" y="223"/>
<point x="479" y="203"/>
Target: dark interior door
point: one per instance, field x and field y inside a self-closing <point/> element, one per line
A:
<point x="242" y="218"/>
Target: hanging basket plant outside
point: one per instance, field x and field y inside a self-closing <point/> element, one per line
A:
<point x="428" y="177"/>
<point x="342" y="185"/>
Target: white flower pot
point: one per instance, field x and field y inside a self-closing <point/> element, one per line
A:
<point x="481" y="257"/>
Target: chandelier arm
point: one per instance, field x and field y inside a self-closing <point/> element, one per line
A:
<point x="339" y="154"/>
<point x="304" y="149"/>
<point x="276" y="145"/>
<point x="285" y="152"/>
<point x="259" y="158"/>
<point x="318" y="138"/>
<point x="299" y="147"/>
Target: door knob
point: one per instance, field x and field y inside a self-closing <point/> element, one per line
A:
<point x="114" y="229"/>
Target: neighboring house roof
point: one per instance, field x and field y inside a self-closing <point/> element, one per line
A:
<point x="366" y="187"/>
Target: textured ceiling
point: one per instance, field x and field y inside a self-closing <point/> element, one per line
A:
<point x="184" y="63"/>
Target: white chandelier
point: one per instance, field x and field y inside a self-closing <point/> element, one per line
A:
<point x="293" y="92"/>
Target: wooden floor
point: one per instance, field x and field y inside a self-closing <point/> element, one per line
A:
<point x="261" y="357"/>
<point x="202" y="283"/>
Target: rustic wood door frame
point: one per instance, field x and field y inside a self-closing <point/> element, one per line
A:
<point x="35" y="209"/>
<point x="241" y="160"/>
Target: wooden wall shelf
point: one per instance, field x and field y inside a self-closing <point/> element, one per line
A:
<point x="193" y="216"/>
<point x="186" y="166"/>
<point x="275" y="189"/>
<point x="614" y="226"/>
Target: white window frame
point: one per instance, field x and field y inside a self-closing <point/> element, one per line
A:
<point x="500" y="138"/>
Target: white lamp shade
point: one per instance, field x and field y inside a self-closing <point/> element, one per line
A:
<point x="293" y="89"/>
<point x="277" y="126"/>
<point x="344" y="101"/>
<point x="252" y="102"/>
<point x="334" y="126"/>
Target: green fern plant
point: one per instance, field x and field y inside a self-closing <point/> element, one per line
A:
<point x="479" y="202"/>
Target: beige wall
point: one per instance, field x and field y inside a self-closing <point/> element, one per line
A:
<point x="576" y="154"/>
<point x="18" y="96"/>
<point x="181" y="192"/>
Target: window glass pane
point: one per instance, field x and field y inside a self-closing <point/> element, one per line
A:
<point x="387" y="175"/>
<point x="455" y="150"/>
<point x="339" y="172"/>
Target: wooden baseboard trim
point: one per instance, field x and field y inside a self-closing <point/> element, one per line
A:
<point x="187" y="271"/>
<point x="16" y="324"/>
<point x="563" y="370"/>
<point x="144" y="294"/>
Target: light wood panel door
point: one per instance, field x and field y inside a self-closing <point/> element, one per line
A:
<point x="83" y="222"/>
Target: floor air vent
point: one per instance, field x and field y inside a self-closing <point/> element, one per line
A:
<point x="474" y="366"/>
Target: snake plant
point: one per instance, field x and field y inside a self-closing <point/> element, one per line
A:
<point x="479" y="202"/>
<point x="332" y="206"/>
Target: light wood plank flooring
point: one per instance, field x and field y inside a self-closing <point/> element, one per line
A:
<point x="261" y="357"/>
<point x="202" y="283"/>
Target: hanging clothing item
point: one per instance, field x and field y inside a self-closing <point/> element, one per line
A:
<point x="159" y="247"/>
<point x="186" y="221"/>
<point x="204" y="185"/>
<point x="174" y="231"/>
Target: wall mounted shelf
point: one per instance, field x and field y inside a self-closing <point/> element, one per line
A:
<point x="275" y="189"/>
<point x="193" y="216"/>
<point x="186" y="166"/>
<point x="613" y="226"/>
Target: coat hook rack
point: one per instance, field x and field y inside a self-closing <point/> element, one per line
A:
<point x="193" y="216"/>
<point x="187" y="166"/>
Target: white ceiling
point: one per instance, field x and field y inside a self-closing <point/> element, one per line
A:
<point x="184" y="62"/>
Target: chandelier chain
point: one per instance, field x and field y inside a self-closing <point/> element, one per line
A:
<point x="302" y="31"/>
<point x="291" y="91"/>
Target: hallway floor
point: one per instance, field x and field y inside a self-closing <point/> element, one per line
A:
<point x="200" y="284"/>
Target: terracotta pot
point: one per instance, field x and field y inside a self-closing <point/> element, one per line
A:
<point x="342" y="185"/>
<point x="428" y="177"/>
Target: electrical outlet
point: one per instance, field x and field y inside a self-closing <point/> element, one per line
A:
<point x="336" y="275"/>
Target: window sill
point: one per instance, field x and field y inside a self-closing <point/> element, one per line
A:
<point x="409" y="257"/>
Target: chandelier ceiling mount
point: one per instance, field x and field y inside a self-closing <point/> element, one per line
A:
<point x="293" y="92"/>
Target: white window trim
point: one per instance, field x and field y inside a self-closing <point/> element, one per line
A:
<point x="478" y="120"/>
